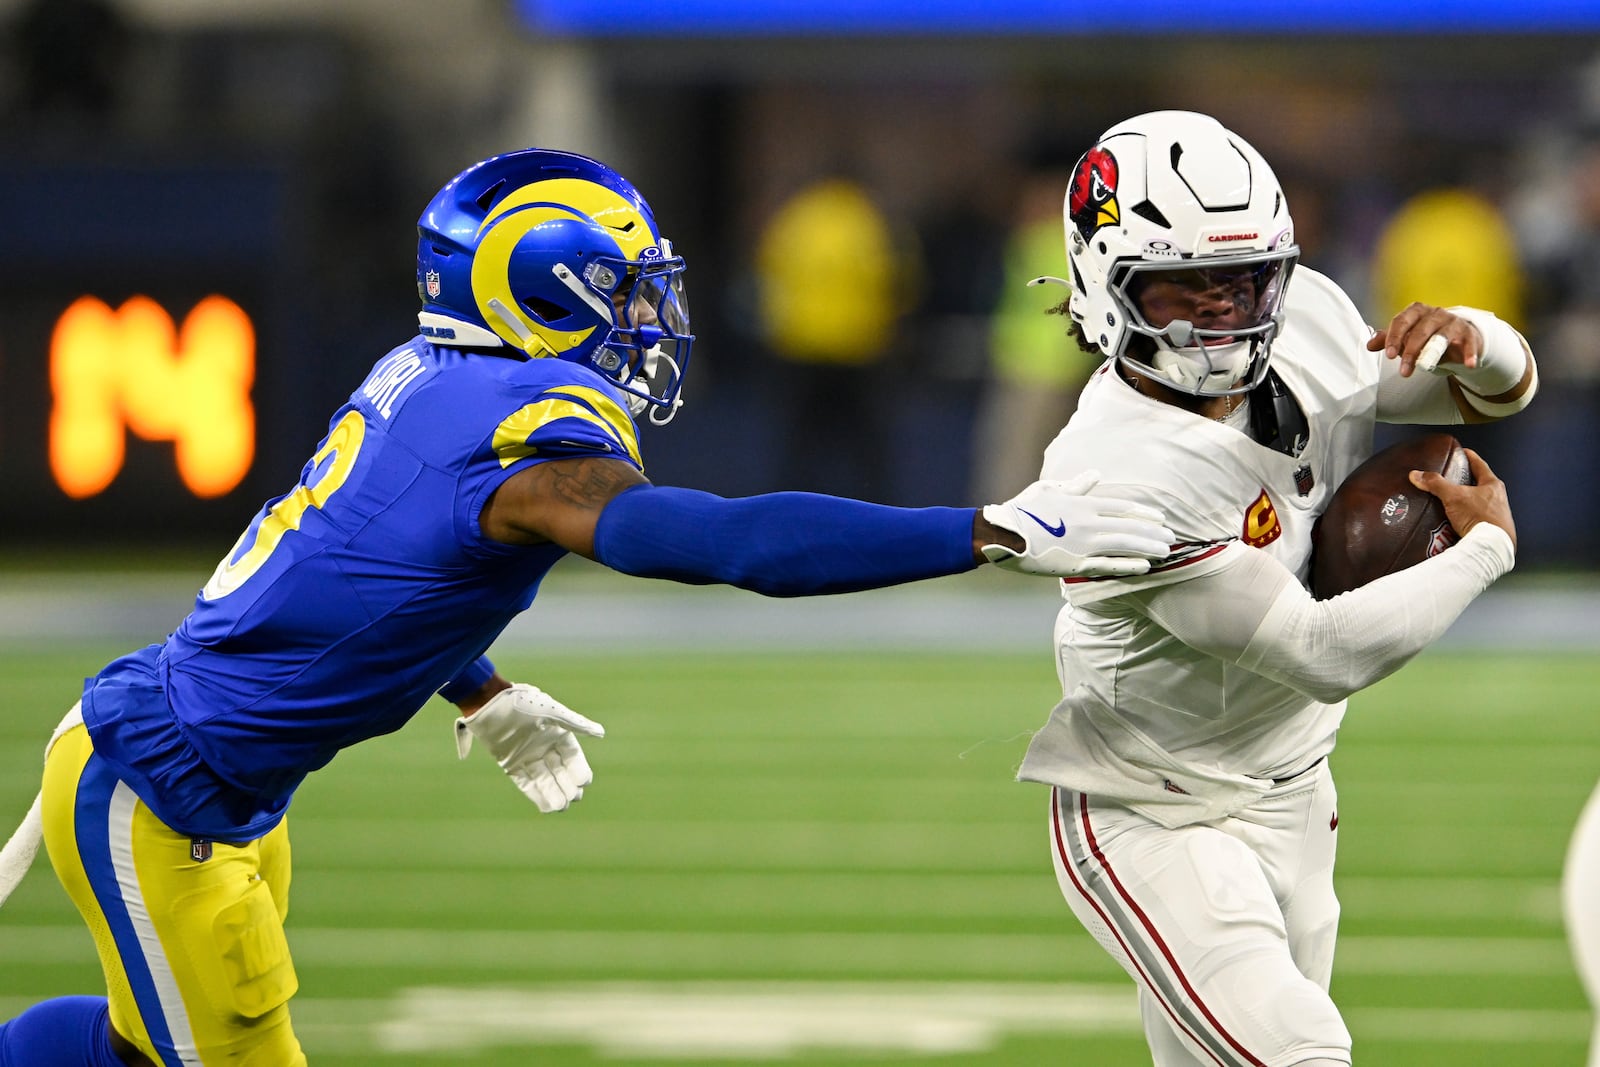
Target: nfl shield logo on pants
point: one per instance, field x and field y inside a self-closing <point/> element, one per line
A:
<point x="431" y="280"/>
<point x="199" y="850"/>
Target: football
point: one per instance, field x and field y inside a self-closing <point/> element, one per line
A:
<point x="1378" y="522"/>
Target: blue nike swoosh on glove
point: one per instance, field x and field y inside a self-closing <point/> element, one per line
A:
<point x="1054" y="531"/>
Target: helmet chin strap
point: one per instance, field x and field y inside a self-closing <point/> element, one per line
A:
<point x="1183" y="358"/>
<point x="637" y="404"/>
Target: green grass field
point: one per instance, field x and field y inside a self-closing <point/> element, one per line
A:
<point x="825" y="858"/>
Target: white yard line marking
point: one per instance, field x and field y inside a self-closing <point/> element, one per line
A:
<point x="1022" y="957"/>
<point x="701" y="1021"/>
<point x="710" y="1020"/>
<point x="704" y="1021"/>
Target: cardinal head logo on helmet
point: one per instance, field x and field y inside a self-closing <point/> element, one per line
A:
<point x="1093" y="202"/>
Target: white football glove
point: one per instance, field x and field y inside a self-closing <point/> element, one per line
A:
<point x="533" y="736"/>
<point x="1070" y="534"/>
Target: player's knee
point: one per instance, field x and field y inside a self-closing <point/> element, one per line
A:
<point x="1272" y="998"/>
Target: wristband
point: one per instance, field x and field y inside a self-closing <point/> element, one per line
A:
<point x="1502" y="361"/>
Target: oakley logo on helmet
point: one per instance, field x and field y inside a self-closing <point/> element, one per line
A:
<point x="1092" y="201"/>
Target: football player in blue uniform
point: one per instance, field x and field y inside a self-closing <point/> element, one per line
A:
<point x="470" y="459"/>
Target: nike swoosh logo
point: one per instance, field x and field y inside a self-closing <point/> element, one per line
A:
<point x="1054" y="531"/>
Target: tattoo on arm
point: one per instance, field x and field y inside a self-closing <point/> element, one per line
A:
<point x="558" y="501"/>
<point x="584" y="483"/>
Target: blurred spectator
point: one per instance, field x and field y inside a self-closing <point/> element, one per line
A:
<point x="831" y="281"/>
<point x="1448" y="246"/>
<point x="1036" y="370"/>
<point x="1535" y="263"/>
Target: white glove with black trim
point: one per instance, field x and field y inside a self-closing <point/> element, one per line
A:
<point x="1070" y="534"/>
<point x="533" y="736"/>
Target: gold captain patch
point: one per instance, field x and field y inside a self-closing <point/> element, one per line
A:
<point x="1261" y="525"/>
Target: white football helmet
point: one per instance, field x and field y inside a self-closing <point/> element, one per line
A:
<point x="1175" y="191"/>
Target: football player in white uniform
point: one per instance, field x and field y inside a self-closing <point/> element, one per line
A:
<point x="1193" y="814"/>
<point x="1580" y="885"/>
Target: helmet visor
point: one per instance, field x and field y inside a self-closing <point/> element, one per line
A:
<point x="648" y="348"/>
<point x="1189" y="302"/>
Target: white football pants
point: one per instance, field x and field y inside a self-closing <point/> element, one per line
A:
<point x="1580" y="902"/>
<point x="1227" y="927"/>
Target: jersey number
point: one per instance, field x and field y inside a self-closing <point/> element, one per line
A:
<point x="341" y="448"/>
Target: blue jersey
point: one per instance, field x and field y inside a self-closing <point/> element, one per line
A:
<point x="353" y="598"/>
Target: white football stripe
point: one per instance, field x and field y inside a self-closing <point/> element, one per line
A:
<point x="120" y="825"/>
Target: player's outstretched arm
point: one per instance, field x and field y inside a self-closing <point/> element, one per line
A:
<point x="803" y="544"/>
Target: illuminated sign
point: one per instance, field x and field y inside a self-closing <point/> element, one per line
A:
<point x="133" y="370"/>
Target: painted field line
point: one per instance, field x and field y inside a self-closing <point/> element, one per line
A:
<point x="1499" y="957"/>
<point x="423" y="895"/>
<point x="706" y="1021"/>
<point x="1496" y="1026"/>
<point x="1490" y="899"/>
<point x="702" y="1021"/>
<point x="594" y="953"/>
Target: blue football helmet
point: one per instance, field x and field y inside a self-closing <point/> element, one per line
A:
<point x="557" y="255"/>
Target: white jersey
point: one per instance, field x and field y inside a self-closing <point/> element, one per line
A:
<point x="1172" y="731"/>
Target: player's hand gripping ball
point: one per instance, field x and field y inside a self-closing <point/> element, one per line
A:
<point x="1378" y="522"/>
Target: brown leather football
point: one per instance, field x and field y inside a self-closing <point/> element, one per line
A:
<point x="1378" y="522"/>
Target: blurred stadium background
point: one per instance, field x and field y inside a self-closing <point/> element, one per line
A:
<point x="803" y="841"/>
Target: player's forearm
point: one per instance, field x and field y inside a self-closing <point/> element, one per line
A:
<point x="1503" y="381"/>
<point x="781" y="544"/>
<point x="1251" y="611"/>
<point x="1331" y="649"/>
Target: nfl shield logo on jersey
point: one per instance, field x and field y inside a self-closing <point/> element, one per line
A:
<point x="431" y="280"/>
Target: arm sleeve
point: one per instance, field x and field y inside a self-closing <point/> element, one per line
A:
<point x="1251" y="611"/>
<point x="780" y="544"/>
<point x="469" y="681"/>
<point x="1421" y="400"/>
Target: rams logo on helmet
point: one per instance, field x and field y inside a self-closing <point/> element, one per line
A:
<point x="556" y="255"/>
<point x="546" y="204"/>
